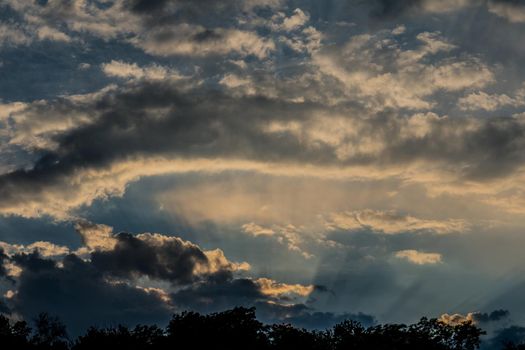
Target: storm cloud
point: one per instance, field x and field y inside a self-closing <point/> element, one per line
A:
<point x="80" y="296"/>
<point x="120" y="284"/>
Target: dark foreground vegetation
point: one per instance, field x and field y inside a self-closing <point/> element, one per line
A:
<point x="239" y="329"/>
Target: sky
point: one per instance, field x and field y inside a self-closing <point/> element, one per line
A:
<point x="319" y="160"/>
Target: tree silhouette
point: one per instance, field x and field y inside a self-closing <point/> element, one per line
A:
<point x="50" y="333"/>
<point x="233" y="329"/>
<point x="286" y="336"/>
<point x="13" y="336"/>
<point x="140" y="338"/>
<point x="239" y="329"/>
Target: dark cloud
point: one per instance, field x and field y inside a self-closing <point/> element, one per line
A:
<point x="208" y="13"/>
<point x="202" y="123"/>
<point x="492" y="150"/>
<point x="223" y="292"/>
<point x="173" y="260"/>
<point x="217" y="293"/>
<point x="207" y="123"/>
<point x="80" y="295"/>
<point x="393" y="8"/>
<point x="102" y="291"/>
<point x="494" y="316"/>
<point x="187" y="9"/>
<point x="151" y="13"/>
<point x="141" y="6"/>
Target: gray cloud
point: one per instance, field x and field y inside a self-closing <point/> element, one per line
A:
<point x="392" y="8"/>
<point x="217" y="293"/>
<point x="511" y="10"/>
<point x="193" y="11"/>
<point x="148" y="6"/>
<point x="388" y="9"/>
<point x="151" y="118"/>
<point x="80" y="295"/>
<point x="172" y="260"/>
<point x="155" y="26"/>
<point x="222" y="292"/>
<point x="494" y="316"/>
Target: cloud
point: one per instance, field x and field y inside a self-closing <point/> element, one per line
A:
<point x="393" y="8"/>
<point x="150" y="128"/>
<point x="390" y="222"/>
<point x="218" y="294"/>
<point x="494" y="316"/>
<point x="160" y="257"/>
<point x="297" y="20"/>
<point x="45" y="249"/>
<point x="191" y="40"/>
<point x="152" y="125"/>
<point x="79" y="16"/>
<point x="149" y="25"/>
<point x="419" y="258"/>
<point x="369" y="62"/>
<point x="33" y="126"/>
<point x="480" y="319"/>
<point x="233" y="81"/>
<point x="12" y="35"/>
<point x="125" y="70"/>
<point x="223" y="292"/>
<point x="511" y="10"/>
<point x="48" y="33"/>
<point x="96" y="236"/>
<point x="272" y="288"/>
<point x="257" y="230"/>
<point x="141" y="279"/>
<point x="289" y="235"/>
<point x="221" y="7"/>
<point x="80" y="295"/>
<point x="456" y="319"/>
<point x="217" y="262"/>
<point x="484" y="101"/>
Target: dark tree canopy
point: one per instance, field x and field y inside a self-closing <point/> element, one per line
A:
<point x="239" y="329"/>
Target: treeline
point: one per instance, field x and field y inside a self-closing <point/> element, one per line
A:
<point x="240" y="329"/>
